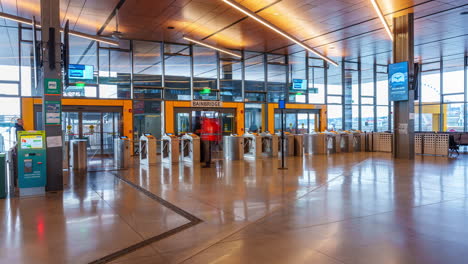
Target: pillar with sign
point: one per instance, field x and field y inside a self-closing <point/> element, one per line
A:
<point x="52" y="91"/>
<point x="400" y="90"/>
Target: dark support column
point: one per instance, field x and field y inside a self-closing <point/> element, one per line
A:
<point x="403" y="50"/>
<point x="51" y="41"/>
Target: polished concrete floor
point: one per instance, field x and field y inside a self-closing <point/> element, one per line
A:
<point x="342" y="208"/>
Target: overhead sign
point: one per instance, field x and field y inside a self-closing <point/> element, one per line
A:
<point x="299" y="84"/>
<point x="398" y="84"/>
<point x="207" y="104"/>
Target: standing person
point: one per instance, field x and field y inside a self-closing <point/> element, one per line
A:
<point x="18" y="127"/>
<point x="210" y="133"/>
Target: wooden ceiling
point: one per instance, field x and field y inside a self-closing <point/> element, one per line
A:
<point x="335" y="27"/>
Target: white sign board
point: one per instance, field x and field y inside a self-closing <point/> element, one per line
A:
<point x="207" y="104"/>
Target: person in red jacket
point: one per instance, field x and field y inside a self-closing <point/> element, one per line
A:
<point x="210" y="133"/>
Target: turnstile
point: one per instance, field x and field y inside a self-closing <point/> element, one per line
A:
<point x="269" y="144"/>
<point x="334" y="143"/>
<point x="359" y="142"/>
<point x="190" y="148"/>
<point x="122" y="153"/>
<point x="3" y="176"/>
<point x="308" y="143"/>
<point x="170" y="148"/>
<point x="299" y="145"/>
<point x="233" y="147"/>
<point x="79" y="154"/>
<point x="347" y="142"/>
<point x="288" y="144"/>
<point x="320" y="143"/>
<point x="148" y="149"/>
<point x="253" y="145"/>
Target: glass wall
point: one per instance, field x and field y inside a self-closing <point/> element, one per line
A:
<point x="254" y="77"/>
<point x="147" y="70"/>
<point x="355" y="92"/>
<point x="205" y="74"/>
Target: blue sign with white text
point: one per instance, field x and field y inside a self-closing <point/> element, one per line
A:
<point x="398" y="81"/>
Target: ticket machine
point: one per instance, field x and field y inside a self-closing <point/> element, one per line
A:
<point x="148" y="149"/>
<point x="32" y="165"/>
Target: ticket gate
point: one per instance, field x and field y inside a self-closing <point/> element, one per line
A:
<point x="269" y="144"/>
<point x="347" y="142"/>
<point x="288" y="144"/>
<point x="299" y="145"/>
<point x="190" y="148"/>
<point x="122" y="153"/>
<point x="308" y="143"/>
<point x="170" y="148"/>
<point x="148" y="149"/>
<point x="233" y="147"/>
<point x="253" y="145"/>
<point x="335" y="143"/>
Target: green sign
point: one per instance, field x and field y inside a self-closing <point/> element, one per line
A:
<point x="53" y="113"/>
<point x="52" y="86"/>
<point x="205" y="91"/>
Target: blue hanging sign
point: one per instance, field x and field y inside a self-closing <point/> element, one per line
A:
<point x="398" y="84"/>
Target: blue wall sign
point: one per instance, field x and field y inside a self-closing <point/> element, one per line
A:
<point x="282" y="104"/>
<point x="398" y="81"/>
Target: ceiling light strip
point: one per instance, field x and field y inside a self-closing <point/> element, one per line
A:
<point x="213" y="47"/>
<point x="277" y="30"/>
<point x="72" y="32"/>
<point x="382" y="18"/>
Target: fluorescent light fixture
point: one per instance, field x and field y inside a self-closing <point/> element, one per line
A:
<point x="382" y="18"/>
<point x="213" y="47"/>
<point x="277" y="30"/>
<point x="74" y="33"/>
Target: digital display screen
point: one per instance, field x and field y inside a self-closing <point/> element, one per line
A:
<point x="81" y="72"/>
<point x="299" y="84"/>
<point x="32" y="142"/>
<point x="398" y="81"/>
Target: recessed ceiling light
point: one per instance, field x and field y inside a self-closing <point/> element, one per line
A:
<point x="331" y="47"/>
<point x="275" y="14"/>
<point x="170" y="27"/>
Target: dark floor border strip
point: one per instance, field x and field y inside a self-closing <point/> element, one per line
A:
<point x="142" y="244"/>
<point x="120" y="253"/>
<point x="153" y="196"/>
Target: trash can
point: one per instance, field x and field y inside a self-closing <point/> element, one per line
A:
<point x="3" y="176"/>
<point x="79" y="154"/>
<point x="233" y="147"/>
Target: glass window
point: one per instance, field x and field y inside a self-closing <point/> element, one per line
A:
<point x="254" y="77"/>
<point x="205" y="73"/>
<point x="382" y="118"/>
<point x="335" y="117"/>
<point x="9" y="112"/>
<point x="430" y="87"/>
<point x="277" y="75"/>
<point x="454" y="117"/>
<point x="334" y="80"/>
<point x="114" y="73"/>
<point x="231" y="79"/>
<point x="367" y="121"/>
<point x="177" y="72"/>
<point x="316" y="81"/>
<point x="453" y="76"/>
<point x="382" y="89"/>
<point x="147" y="70"/>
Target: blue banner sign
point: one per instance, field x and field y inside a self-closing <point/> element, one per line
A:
<point x="398" y="81"/>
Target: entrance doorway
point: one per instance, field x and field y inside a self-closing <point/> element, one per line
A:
<point x="98" y="124"/>
<point x="188" y="120"/>
<point x="298" y="121"/>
